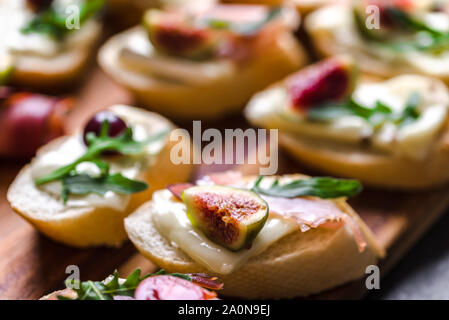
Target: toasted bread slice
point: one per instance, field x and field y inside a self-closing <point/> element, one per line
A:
<point x="211" y="98"/>
<point x="85" y="226"/>
<point x="57" y="71"/>
<point x="372" y="168"/>
<point x="299" y="264"/>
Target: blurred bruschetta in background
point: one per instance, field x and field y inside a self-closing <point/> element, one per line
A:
<point x="47" y="44"/>
<point x="407" y="37"/>
<point x="389" y="133"/>
<point x="204" y="63"/>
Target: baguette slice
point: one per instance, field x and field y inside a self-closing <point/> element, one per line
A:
<point x="299" y="264"/>
<point x="56" y="72"/>
<point x="226" y="93"/>
<point x="91" y="226"/>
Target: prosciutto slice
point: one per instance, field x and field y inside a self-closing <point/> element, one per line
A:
<point x="307" y="212"/>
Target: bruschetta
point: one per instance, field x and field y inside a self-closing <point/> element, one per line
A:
<point x="203" y="63"/>
<point x="266" y="237"/>
<point x="78" y="188"/>
<point x="387" y="133"/>
<point x="154" y="286"/>
<point x="46" y="44"/>
<point x="387" y="38"/>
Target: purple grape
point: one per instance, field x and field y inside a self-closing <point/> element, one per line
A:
<point x="116" y="125"/>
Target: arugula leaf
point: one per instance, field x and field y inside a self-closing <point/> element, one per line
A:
<point x="83" y="184"/>
<point x="99" y="290"/>
<point x="434" y="40"/>
<point x="124" y="144"/>
<point x="376" y="116"/>
<point x="52" y="21"/>
<point x="322" y="187"/>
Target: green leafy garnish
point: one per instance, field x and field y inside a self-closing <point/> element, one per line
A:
<point x="244" y="28"/>
<point x="322" y="187"/>
<point x="99" y="290"/>
<point x="81" y="184"/>
<point x="52" y="21"/>
<point x="425" y="38"/>
<point x="376" y="116"/>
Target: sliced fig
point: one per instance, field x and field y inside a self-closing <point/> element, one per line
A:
<point x="228" y="216"/>
<point x="330" y="80"/>
<point x="166" y="287"/>
<point x="171" y="34"/>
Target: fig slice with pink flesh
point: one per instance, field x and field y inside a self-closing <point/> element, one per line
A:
<point x="171" y="33"/>
<point x="228" y="216"/>
<point x="330" y="80"/>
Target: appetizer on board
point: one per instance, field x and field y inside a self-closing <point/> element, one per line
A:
<point x="41" y="46"/>
<point x="409" y="36"/>
<point x="29" y="120"/>
<point x="78" y="188"/>
<point x="391" y="133"/>
<point x="156" y="286"/>
<point x="204" y="63"/>
<point x="266" y="237"/>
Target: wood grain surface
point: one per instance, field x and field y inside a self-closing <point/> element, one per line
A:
<point x="32" y="265"/>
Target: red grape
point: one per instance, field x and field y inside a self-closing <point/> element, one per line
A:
<point x="116" y="125"/>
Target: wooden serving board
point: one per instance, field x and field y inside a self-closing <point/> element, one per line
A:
<point x="32" y="265"/>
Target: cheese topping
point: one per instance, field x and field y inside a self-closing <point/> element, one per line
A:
<point x="271" y="108"/>
<point x="335" y="26"/>
<point x="139" y="55"/>
<point x="170" y="218"/>
<point x="15" y="15"/>
<point x="131" y="167"/>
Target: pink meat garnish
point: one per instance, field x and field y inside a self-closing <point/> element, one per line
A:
<point x="166" y="287"/>
<point x="178" y="188"/>
<point x="307" y="212"/>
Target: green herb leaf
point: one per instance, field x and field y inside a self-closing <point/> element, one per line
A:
<point x="99" y="290"/>
<point x="426" y="38"/>
<point x="376" y="116"/>
<point x="322" y="187"/>
<point x="82" y="184"/>
<point x="52" y="21"/>
<point x="125" y="144"/>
